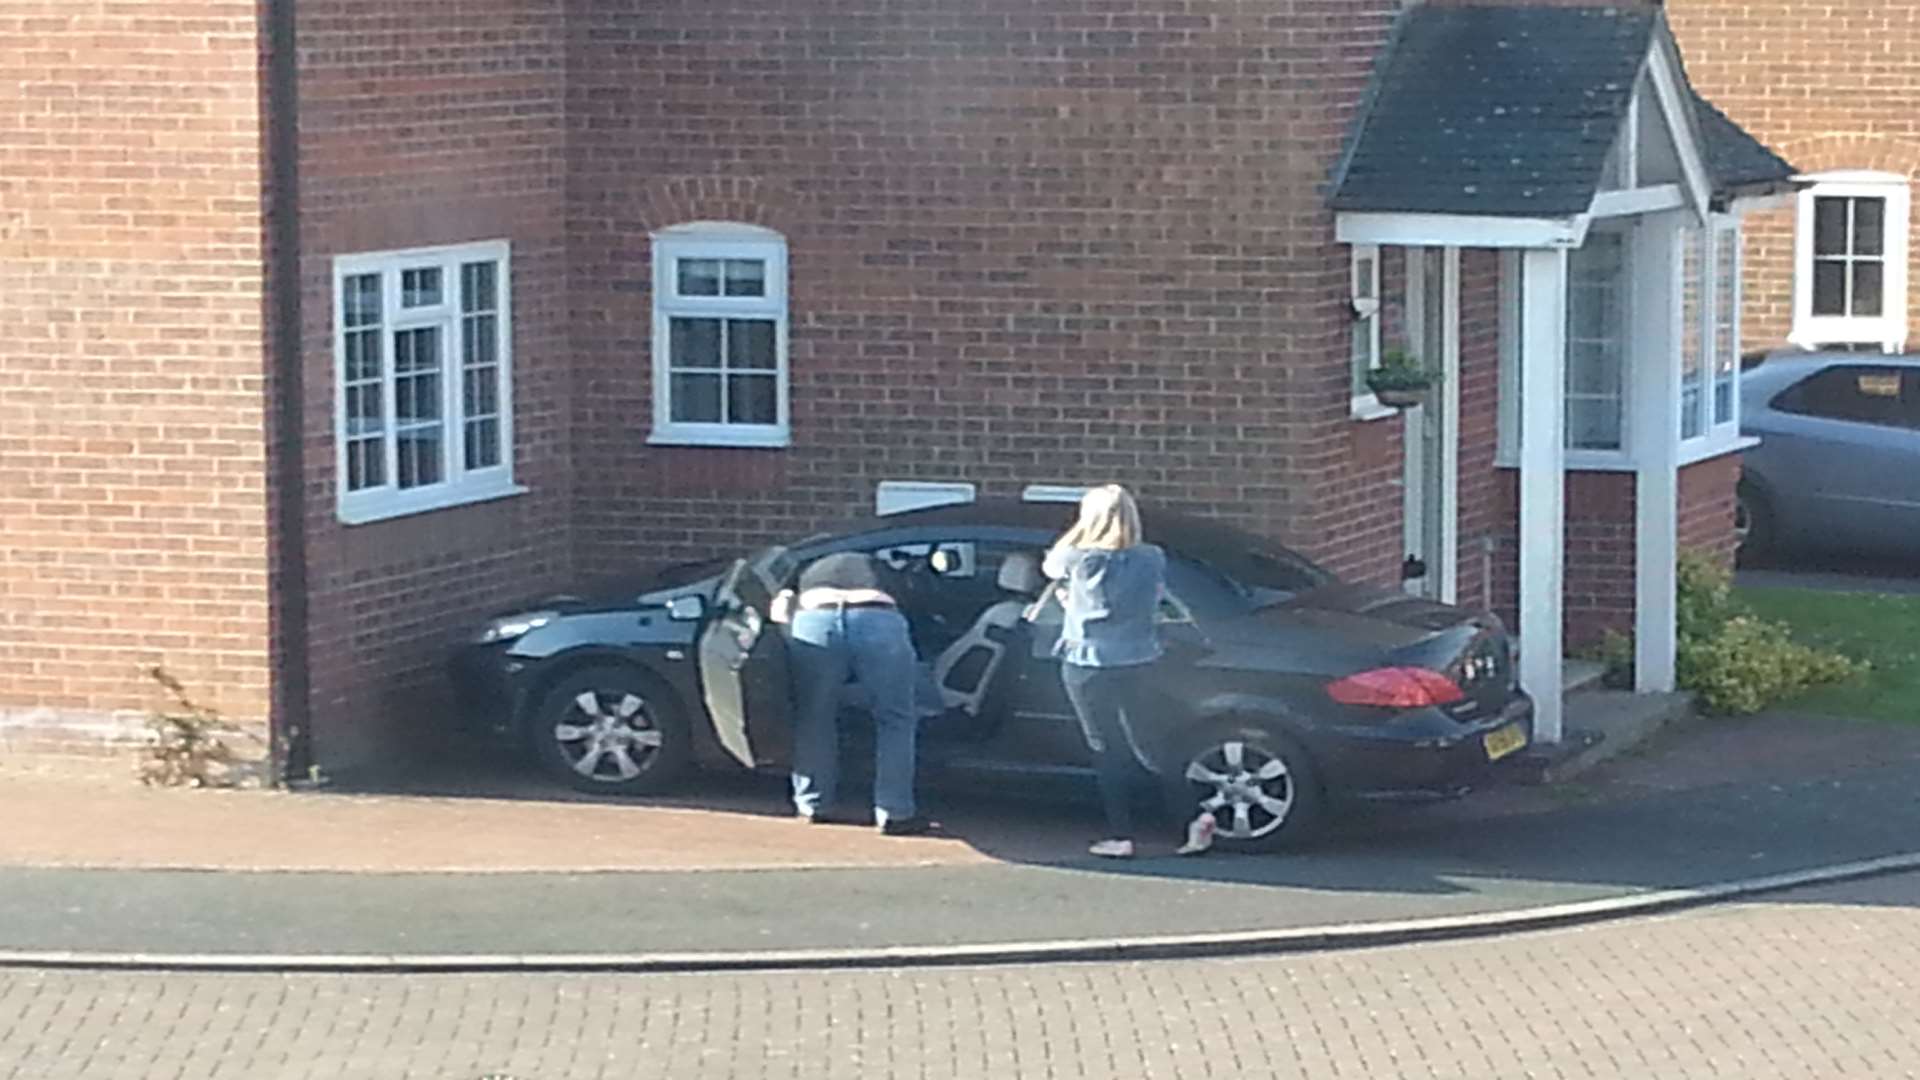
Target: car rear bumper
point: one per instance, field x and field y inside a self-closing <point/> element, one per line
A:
<point x="1426" y="755"/>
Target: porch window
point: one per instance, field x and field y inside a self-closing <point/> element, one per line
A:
<point x="1600" y="433"/>
<point x="1597" y="322"/>
<point x="423" y="359"/>
<point x="1363" y="352"/>
<point x="720" y="336"/>
<point x="1850" y="273"/>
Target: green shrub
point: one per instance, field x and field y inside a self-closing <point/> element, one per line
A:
<point x="189" y="747"/>
<point x="1733" y="661"/>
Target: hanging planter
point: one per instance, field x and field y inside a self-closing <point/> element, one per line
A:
<point x="1400" y="382"/>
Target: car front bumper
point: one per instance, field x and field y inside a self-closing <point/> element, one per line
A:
<point x="487" y="689"/>
<point x="1425" y="755"/>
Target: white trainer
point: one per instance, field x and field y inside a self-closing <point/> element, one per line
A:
<point x="1199" y="835"/>
<point x="1113" y="849"/>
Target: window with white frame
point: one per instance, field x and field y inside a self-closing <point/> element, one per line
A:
<point x="1850" y="261"/>
<point x="424" y="403"/>
<point x="1598" y="289"/>
<point x="1363" y="353"/>
<point x="1599" y="319"/>
<point x="720" y="336"/>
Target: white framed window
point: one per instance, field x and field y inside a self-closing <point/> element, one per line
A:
<point x="423" y="361"/>
<point x="1363" y="348"/>
<point x="1599" y="325"/>
<point x="720" y="336"/>
<point x="1850" y="261"/>
<point x="1601" y="434"/>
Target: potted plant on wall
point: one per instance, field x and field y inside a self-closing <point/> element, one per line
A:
<point x="1400" y="382"/>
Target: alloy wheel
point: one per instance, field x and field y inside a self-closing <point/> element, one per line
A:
<point x="608" y="736"/>
<point x="1248" y="790"/>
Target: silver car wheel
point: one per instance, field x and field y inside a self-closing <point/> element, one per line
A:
<point x="608" y="736"/>
<point x="1248" y="790"/>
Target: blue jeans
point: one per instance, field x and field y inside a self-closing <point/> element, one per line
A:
<point x="871" y="646"/>
<point x="1102" y="698"/>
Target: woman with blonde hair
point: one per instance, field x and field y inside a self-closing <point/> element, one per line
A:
<point x="1111" y="580"/>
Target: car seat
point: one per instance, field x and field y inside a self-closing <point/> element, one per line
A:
<point x="965" y="671"/>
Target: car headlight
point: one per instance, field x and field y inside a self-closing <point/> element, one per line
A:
<point x="509" y="627"/>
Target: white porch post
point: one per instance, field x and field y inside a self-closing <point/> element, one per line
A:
<point x="1543" y="484"/>
<point x="1658" y="289"/>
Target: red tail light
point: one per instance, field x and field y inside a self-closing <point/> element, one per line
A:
<point x="1396" y="688"/>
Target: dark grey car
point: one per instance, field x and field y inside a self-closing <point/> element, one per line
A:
<point x="1838" y="465"/>
<point x="1281" y="685"/>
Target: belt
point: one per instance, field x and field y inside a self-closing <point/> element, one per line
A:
<point x="874" y="605"/>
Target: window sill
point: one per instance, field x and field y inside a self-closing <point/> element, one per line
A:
<point x="385" y="507"/>
<point x="1707" y="449"/>
<point x="1368" y="407"/>
<point x="765" y="439"/>
<point x="1692" y="452"/>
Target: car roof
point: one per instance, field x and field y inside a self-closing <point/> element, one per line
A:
<point x="1192" y="534"/>
<point x="1790" y="365"/>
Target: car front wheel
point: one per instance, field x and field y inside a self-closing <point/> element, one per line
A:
<point x="1260" y="786"/>
<point x="611" y="730"/>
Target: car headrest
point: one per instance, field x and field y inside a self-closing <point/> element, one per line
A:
<point x="1020" y="573"/>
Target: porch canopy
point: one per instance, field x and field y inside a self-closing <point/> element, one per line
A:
<point x="1520" y="127"/>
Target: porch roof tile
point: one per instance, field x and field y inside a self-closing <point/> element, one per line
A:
<point x="1510" y="111"/>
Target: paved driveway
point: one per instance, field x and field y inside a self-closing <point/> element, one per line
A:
<point x="1820" y="984"/>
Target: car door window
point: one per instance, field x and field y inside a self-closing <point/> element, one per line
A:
<point x="1855" y="393"/>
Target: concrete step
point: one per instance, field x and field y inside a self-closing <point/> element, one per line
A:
<point x="1599" y="725"/>
<point x="1577" y="675"/>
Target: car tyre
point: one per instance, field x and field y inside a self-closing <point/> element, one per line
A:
<point x="1261" y="785"/>
<point x="611" y="729"/>
<point x="1753" y="521"/>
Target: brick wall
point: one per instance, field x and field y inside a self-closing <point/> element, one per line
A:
<point x="1063" y="243"/>
<point x="427" y="125"/>
<point x="1830" y="86"/>
<point x="132" y="505"/>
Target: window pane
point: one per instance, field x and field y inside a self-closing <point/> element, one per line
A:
<point x="363" y="355"/>
<point x="1866" y="287"/>
<point x="1593" y="424"/>
<point x="1869" y="226"/>
<point x="479" y="287"/>
<point x="360" y="300"/>
<point x="695" y="399"/>
<point x="420" y="287"/>
<point x="699" y="277"/>
<point x="1693" y="361"/>
<point x="1829" y="226"/>
<point x="750" y="399"/>
<point x="746" y="277"/>
<point x="1829" y="287"/>
<point x="366" y="464"/>
<point x="750" y="344"/>
<point x="1726" y="327"/>
<point x="694" y="343"/>
<point x="483" y="444"/>
<point x="1360" y="353"/>
<point x="418" y="454"/>
<point x="1364" y="273"/>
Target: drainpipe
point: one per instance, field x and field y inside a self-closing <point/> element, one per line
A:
<point x="291" y="713"/>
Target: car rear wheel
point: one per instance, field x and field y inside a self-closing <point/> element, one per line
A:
<point x="1753" y="524"/>
<point x="1260" y="786"/>
<point x="611" y="730"/>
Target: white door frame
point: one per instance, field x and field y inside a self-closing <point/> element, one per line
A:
<point x="1442" y="552"/>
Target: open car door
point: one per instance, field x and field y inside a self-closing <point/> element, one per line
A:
<point x="743" y="663"/>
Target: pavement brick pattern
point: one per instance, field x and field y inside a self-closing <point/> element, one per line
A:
<point x="1821" y="984"/>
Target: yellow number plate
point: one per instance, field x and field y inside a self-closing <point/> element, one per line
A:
<point x="1503" y="741"/>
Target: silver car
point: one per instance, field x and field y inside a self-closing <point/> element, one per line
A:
<point x="1838" y="465"/>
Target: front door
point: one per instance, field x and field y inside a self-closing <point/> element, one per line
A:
<point x="743" y="663"/>
<point x="1431" y="512"/>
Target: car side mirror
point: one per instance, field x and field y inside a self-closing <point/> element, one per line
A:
<point x="686" y="608"/>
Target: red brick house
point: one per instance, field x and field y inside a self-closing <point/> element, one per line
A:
<point x="333" y="325"/>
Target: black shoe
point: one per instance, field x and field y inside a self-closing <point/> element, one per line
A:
<point x="911" y="826"/>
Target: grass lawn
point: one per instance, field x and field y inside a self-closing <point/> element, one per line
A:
<point x="1882" y="630"/>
